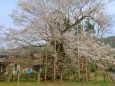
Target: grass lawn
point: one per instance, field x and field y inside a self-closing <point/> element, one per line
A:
<point x="100" y="82"/>
<point x="65" y="83"/>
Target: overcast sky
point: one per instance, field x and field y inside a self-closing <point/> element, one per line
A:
<point x="6" y="7"/>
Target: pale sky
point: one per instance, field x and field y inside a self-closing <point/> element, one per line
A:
<point x="111" y="9"/>
<point x="6" y="7"/>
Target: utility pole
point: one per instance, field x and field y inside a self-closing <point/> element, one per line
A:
<point x="45" y="68"/>
<point x="55" y="54"/>
<point x="78" y="53"/>
<point x="46" y="56"/>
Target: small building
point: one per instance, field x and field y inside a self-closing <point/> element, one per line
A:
<point x="37" y="65"/>
<point x="7" y="68"/>
<point x="2" y="68"/>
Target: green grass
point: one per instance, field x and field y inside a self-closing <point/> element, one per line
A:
<point x="57" y="83"/>
<point x="100" y="82"/>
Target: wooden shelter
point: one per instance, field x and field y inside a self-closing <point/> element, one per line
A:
<point x="7" y="67"/>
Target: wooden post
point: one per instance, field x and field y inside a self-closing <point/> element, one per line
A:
<point x="104" y="76"/>
<point x="61" y="77"/>
<point x="95" y="74"/>
<point x="75" y="72"/>
<point x="18" y="76"/>
<point x="39" y="75"/>
<point x="18" y="73"/>
<point x="9" y="76"/>
<point x="86" y="71"/>
<point x="82" y="59"/>
<point x="107" y="77"/>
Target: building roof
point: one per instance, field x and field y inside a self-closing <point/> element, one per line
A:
<point x="2" y="60"/>
<point x="2" y="53"/>
<point x="21" y="51"/>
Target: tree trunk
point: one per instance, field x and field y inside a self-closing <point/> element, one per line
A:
<point x="38" y="77"/>
<point x="96" y="76"/>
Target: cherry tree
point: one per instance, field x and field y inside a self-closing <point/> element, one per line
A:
<point x="53" y="21"/>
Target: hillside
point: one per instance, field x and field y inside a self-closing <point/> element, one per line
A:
<point x="109" y="40"/>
